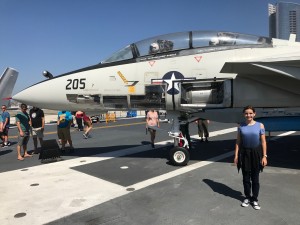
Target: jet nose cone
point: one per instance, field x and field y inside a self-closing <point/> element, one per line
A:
<point x="18" y="97"/>
<point x="22" y="96"/>
<point x="43" y="95"/>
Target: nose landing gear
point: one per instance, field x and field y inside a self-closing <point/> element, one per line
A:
<point x="179" y="154"/>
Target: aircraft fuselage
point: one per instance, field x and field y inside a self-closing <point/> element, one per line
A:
<point x="214" y="80"/>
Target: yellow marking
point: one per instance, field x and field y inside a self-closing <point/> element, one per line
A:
<point x="122" y="77"/>
<point x="110" y="117"/>
<point x="131" y="89"/>
<point x="94" y="128"/>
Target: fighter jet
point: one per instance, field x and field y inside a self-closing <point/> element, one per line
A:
<point x="7" y="83"/>
<point x="206" y="74"/>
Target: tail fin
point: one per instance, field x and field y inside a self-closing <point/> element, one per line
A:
<point x="7" y="83"/>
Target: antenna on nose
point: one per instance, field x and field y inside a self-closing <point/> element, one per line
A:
<point x="47" y="74"/>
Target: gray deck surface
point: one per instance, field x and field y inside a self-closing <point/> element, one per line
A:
<point x="116" y="178"/>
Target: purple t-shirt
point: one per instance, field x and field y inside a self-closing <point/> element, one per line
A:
<point x="250" y="134"/>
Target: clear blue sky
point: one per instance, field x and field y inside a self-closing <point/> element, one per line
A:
<point x="64" y="35"/>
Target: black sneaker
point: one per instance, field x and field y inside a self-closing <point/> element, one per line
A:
<point x="8" y="143"/>
<point x="152" y="145"/>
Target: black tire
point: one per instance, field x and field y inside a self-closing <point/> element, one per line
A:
<point x="179" y="156"/>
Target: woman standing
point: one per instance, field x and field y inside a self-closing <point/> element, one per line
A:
<point x="251" y="155"/>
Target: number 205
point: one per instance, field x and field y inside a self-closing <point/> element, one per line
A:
<point x="75" y="84"/>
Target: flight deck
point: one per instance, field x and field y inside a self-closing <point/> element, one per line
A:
<point x="116" y="178"/>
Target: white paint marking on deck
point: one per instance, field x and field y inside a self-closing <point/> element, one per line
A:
<point x="63" y="191"/>
<point x="180" y="171"/>
<point x="282" y="135"/>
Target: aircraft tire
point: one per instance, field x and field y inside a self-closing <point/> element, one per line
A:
<point x="179" y="156"/>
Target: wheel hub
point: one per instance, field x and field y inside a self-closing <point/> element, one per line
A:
<point x="179" y="156"/>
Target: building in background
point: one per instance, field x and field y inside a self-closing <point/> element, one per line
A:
<point x="284" y="19"/>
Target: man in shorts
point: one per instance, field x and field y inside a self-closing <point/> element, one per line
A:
<point x="6" y="122"/>
<point x="64" y="122"/>
<point x="37" y="126"/>
<point x="23" y="124"/>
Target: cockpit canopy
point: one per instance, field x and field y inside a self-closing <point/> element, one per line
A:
<point x="187" y="40"/>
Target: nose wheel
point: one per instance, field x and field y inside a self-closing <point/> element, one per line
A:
<point x="179" y="156"/>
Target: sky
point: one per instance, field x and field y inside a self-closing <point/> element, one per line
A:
<point x="65" y="35"/>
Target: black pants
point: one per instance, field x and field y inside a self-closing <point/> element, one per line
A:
<point x="79" y="123"/>
<point x="251" y="181"/>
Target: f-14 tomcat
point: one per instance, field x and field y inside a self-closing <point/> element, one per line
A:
<point x="207" y="74"/>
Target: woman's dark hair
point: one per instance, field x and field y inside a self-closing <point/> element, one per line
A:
<point x="249" y="107"/>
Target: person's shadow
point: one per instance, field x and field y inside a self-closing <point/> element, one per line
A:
<point x="223" y="189"/>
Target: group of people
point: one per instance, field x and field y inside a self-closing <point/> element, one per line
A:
<point x="152" y="122"/>
<point x="34" y="124"/>
<point x="250" y="149"/>
<point x="64" y="122"/>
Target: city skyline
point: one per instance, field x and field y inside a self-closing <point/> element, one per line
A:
<point x="283" y="20"/>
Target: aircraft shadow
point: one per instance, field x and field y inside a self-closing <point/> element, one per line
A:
<point x="283" y="153"/>
<point x="145" y="142"/>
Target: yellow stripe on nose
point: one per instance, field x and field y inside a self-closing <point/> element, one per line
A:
<point x="122" y="77"/>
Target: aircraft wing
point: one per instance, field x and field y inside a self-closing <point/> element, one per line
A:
<point x="290" y="68"/>
<point x="7" y="83"/>
<point x="279" y="73"/>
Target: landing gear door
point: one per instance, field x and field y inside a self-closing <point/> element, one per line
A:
<point x="207" y="93"/>
<point x="173" y="95"/>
